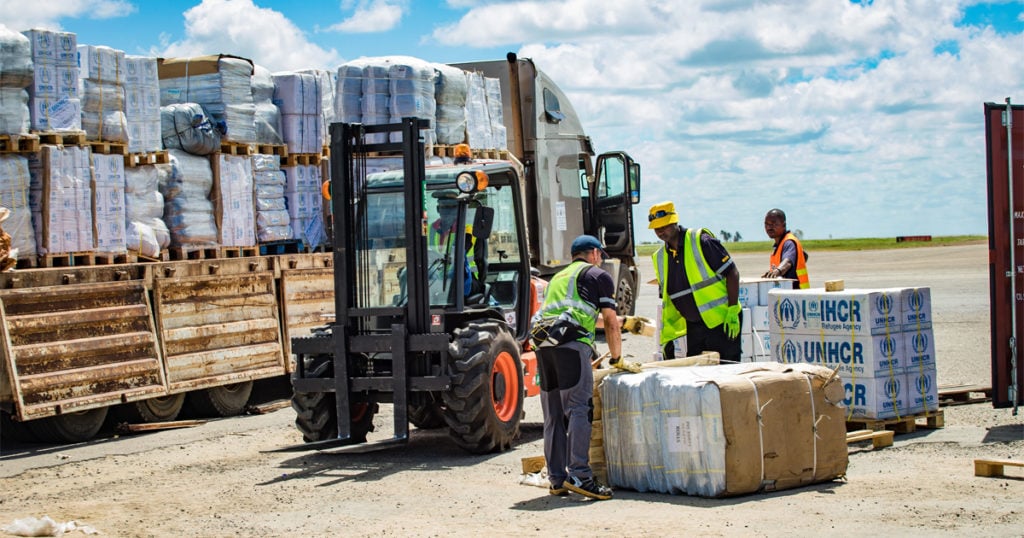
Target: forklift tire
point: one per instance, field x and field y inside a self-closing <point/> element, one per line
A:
<point x="428" y="416"/>
<point x="14" y="430"/>
<point x="625" y="293"/>
<point x="316" y="413"/>
<point x="222" y="401"/>
<point x="159" y="409"/>
<point x="485" y="402"/>
<point x="73" y="427"/>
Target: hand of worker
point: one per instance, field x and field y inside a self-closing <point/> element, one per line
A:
<point x="622" y="364"/>
<point x="732" y="321"/>
<point x="632" y="324"/>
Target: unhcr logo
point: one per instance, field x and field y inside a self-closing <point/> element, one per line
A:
<point x="884" y="303"/>
<point x="919" y="342"/>
<point x="916" y="301"/>
<point x="923" y="384"/>
<point x="786" y="313"/>
<point x="789" y="352"/>
<point x="887" y="346"/>
<point x="892" y="387"/>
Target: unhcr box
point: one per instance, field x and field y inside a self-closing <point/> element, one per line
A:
<point x="878" y="397"/>
<point x="919" y="349"/>
<point x="815" y="311"/>
<point x="922" y="389"/>
<point x="754" y="291"/>
<point x="915" y="308"/>
<point x="861" y="355"/>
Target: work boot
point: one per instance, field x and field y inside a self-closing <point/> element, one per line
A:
<point x="588" y="487"/>
<point x="558" y="491"/>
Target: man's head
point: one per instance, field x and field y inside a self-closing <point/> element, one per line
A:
<point x="587" y="247"/>
<point x="775" y="223"/>
<point x="662" y="218"/>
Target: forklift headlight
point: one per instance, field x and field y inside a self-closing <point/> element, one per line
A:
<point x="470" y="182"/>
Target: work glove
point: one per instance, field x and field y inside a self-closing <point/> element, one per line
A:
<point x="635" y="324"/>
<point x="622" y="364"/>
<point x="732" y="321"/>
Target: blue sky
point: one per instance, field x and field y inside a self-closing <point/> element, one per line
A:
<point x="859" y="119"/>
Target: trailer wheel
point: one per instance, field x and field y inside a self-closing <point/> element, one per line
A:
<point x="316" y="413"/>
<point x="73" y="427"/>
<point x="15" y="430"/>
<point x="222" y="401"/>
<point x="159" y="409"/>
<point x="625" y="297"/>
<point x="427" y="415"/>
<point x="485" y="403"/>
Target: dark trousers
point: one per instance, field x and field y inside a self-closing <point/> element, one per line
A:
<point x="700" y="338"/>
<point x="566" y="398"/>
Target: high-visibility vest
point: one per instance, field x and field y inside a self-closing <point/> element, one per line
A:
<point x="673" y="324"/>
<point x="558" y="299"/>
<point x="801" y="262"/>
<point x="708" y="287"/>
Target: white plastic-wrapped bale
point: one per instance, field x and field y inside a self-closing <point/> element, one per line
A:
<point x="478" y="123"/>
<point x="103" y="71"/>
<point x="142" y="104"/>
<point x="492" y="90"/>
<point x="146" y="232"/>
<point x="325" y="87"/>
<point x="233" y="200"/>
<point x="272" y="220"/>
<point x="54" y="103"/>
<point x="221" y="83"/>
<point x="303" y="198"/>
<point x="298" y="97"/>
<point x="16" y="74"/>
<point x="188" y="211"/>
<point x="186" y="126"/>
<point x="108" y="202"/>
<point x="725" y="430"/>
<point x="267" y="116"/>
<point x="412" y="83"/>
<point x="15" y="183"/>
<point x="450" y="94"/>
<point x="61" y="199"/>
<point x="348" y="93"/>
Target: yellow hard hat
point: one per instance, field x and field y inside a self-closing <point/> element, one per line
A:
<point x="662" y="214"/>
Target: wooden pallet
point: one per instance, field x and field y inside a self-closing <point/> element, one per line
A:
<point x="904" y="424"/>
<point x="153" y="157"/>
<point x="879" y="439"/>
<point x="104" y="147"/>
<point x="61" y="138"/>
<point x="964" y="394"/>
<point x="27" y="262"/>
<point x="301" y="159"/>
<point x="67" y="259"/>
<point x="290" y="246"/>
<point x="19" y="143"/>
<point x="983" y="467"/>
<point x="239" y="252"/>
<point x="235" y="148"/>
<point x="272" y="149"/>
<point x="193" y="253"/>
<point x="326" y="152"/>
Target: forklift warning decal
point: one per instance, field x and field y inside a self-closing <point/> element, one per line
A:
<point x="560" y="221"/>
<point x="435" y="320"/>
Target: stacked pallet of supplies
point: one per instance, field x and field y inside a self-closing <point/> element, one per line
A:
<point x="221" y="83"/>
<point x="452" y="87"/>
<point x="188" y="210"/>
<point x="142" y="104"/>
<point x="16" y="74"/>
<point x="305" y="203"/>
<point x="272" y="219"/>
<point x="716" y="431"/>
<point x="297" y="95"/>
<point x="325" y="81"/>
<point x="267" y="115"/>
<point x="103" y="71"/>
<point x="15" y="184"/>
<point x="61" y="199"/>
<point x="755" y="335"/>
<point x="108" y="186"/>
<point x="879" y="340"/>
<point x="146" y="232"/>
<point x="233" y="199"/>
<point x="54" y="103"/>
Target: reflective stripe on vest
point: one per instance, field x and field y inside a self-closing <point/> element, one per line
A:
<point x="709" y="290"/>
<point x="558" y="300"/>
<point x="801" y="262"/>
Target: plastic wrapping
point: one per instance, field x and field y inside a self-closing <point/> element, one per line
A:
<point x="15" y="59"/>
<point x="348" y="92"/>
<point x="272" y="219"/>
<point x="226" y="95"/>
<point x="142" y="104"/>
<point x="188" y="211"/>
<point x="492" y="90"/>
<point x="15" y="183"/>
<point x="234" y="199"/>
<point x="452" y="87"/>
<point x="108" y="187"/>
<point x="53" y="103"/>
<point x="14" y="118"/>
<point x="478" y="124"/>
<point x="61" y="199"/>
<point x="103" y="71"/>
<point x="267" y="116"/>
<point x="146" y="232"/>
<point x="325" y="87"/>
<point x="186" y="126"/>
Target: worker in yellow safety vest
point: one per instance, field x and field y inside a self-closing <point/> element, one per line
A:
<point x="788" y="260"/>
<point x="699" y="286"/>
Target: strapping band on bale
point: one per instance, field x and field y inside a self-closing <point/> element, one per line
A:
<point x="814" y="429"/>
<point x="760" y="427"/>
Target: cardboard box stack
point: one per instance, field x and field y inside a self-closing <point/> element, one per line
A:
<point x="108" y="186"/>
<point x="54" y="103"/>
<point x="233" y="198"/>
<point x="305" y="203"/>
<point x="142" y="104"/>
<point x="880" y="341"/>
<point x="103" y="71"/>
<point x="754" y="331"/>
<point x="61" y="199"/>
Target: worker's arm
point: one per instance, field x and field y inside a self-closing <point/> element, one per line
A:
<point x="732" y="284"/>
<point x="612" y="332"/>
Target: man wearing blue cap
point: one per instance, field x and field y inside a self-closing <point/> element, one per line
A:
<point x="575" y="296"/>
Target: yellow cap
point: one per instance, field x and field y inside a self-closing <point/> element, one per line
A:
<point x="662" y="214"/>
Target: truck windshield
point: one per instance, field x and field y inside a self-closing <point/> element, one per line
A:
<point x="490" y="262"/>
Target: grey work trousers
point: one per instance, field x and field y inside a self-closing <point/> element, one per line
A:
<point x="566" y="397"/>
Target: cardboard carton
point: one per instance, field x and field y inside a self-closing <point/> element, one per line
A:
<point x="852" y="311"/>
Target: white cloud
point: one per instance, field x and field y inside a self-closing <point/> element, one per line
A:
<point x="25" y="14"/>
<point x="371" y="16"/>
<point x="241" y="28"/>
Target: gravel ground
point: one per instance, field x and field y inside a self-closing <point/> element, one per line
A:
<point x="222" y="479"/>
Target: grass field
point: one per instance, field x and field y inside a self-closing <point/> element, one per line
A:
<point x="811" y="245"/>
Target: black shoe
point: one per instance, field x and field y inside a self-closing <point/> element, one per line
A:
<point x="558" y="491"/>
<point x="588" y="487"/>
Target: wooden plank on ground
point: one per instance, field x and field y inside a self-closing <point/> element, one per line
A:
<point x="154" y="426"/>
<point x="984" y="467"/>
<point x="879" y="439"/>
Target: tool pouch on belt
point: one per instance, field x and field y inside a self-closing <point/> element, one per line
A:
<point x="555" y="330"/>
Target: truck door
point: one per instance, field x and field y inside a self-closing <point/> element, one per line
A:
<point x="616" y="188"/>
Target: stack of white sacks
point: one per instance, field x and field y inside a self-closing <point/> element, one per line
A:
<point x="272" y="219"/>
<point x="221" y="84"/>
<point x="880" y="340"/>
<point x="16" y="74"/>
<point x="53" y="96"/>
<point x="103" y="71"/>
